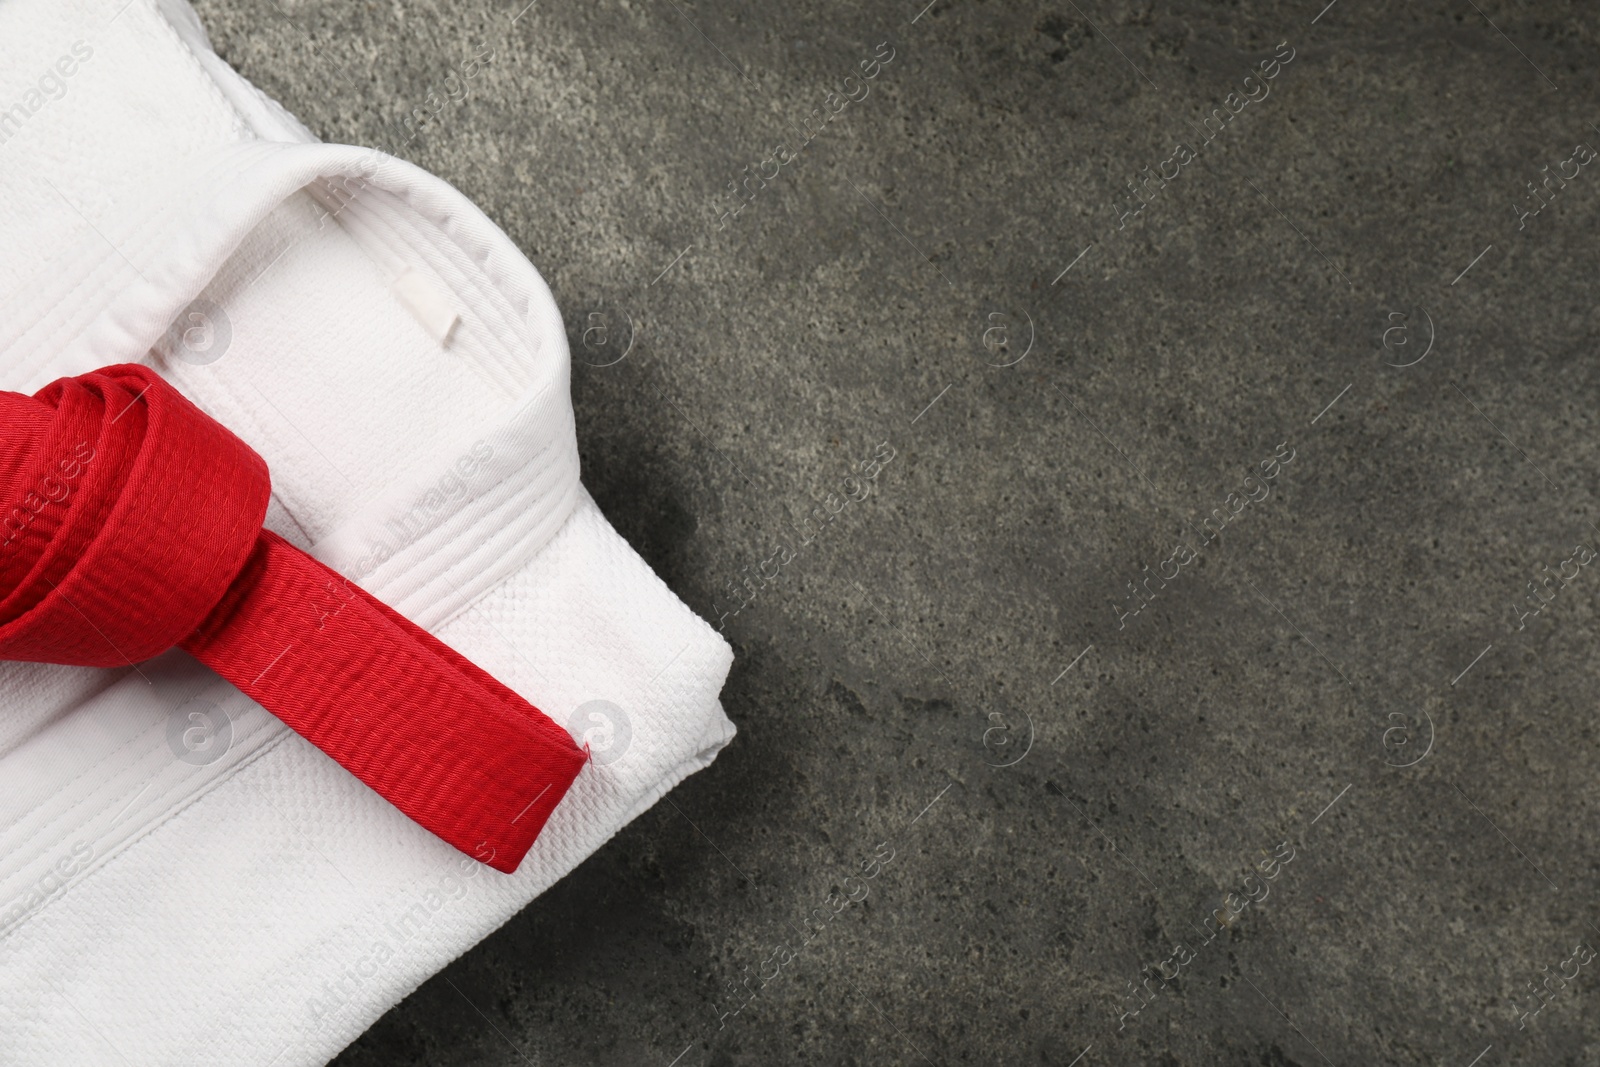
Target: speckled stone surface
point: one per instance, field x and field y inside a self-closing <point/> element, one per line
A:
<point x="940" y="426"/>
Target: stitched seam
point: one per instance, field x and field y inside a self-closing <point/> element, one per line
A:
<point x="150" y="828"/>
<point x="85" y="799"/>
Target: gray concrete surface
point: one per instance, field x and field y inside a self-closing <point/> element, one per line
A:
<point x="1038" y="796"/>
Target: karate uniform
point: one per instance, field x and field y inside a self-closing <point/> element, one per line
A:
<point x="183" y="879"/>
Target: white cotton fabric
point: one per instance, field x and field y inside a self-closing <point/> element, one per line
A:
<point x="183" y="880"/>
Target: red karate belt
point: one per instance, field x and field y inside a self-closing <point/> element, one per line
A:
<point x="133" y="524"/>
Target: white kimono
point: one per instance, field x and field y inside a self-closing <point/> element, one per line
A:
<point x="184" y="880"/>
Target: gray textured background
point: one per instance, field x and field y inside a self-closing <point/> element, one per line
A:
<point x="1358" y="618"/>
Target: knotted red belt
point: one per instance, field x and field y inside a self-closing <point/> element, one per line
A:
<point x="133" y="524"/>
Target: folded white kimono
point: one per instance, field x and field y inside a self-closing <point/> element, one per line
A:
<point x="184" y="880"/>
